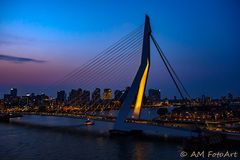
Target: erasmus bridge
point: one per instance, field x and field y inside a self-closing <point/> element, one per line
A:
<point x="115" y="61"/>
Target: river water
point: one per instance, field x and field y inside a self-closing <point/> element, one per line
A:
<point x="34" y="137"/>
<point x="53" y="138"/>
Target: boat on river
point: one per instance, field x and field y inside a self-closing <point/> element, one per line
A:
<point x="89" y="122"/>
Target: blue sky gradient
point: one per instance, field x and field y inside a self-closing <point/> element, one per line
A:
<point x="201" y="38"/>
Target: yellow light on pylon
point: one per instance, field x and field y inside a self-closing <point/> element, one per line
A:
<point x="141" y="89"/>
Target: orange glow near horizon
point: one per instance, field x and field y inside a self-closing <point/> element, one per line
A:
<point x="141" y="89"/>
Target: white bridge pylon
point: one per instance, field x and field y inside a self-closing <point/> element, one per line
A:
<point x="138" y="86"/>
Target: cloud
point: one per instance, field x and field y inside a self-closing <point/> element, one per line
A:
<point x="19" y="59"/>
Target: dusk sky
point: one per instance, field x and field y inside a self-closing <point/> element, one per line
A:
<point x="41" y="41"/>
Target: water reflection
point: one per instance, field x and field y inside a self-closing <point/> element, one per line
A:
<point x="139" y="151"/>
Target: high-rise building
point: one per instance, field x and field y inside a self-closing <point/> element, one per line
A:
<point x="61" y="96"/>
<point x="85" y="97"/>
<point x="118" y="95"/>
<point x="74" y="95"/>
<point x="13" y="92"/>
<point x="96" y="95"/>
<point x="154" y="95"/>
<point x="125" y="92"/>
<point x="107" y="94"/>
<point x="203" y="98"/>
<point x="11" y="99"/>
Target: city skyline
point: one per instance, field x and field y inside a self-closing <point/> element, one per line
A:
<point x="113" y="94"/>
<point x="41" y="42"/>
